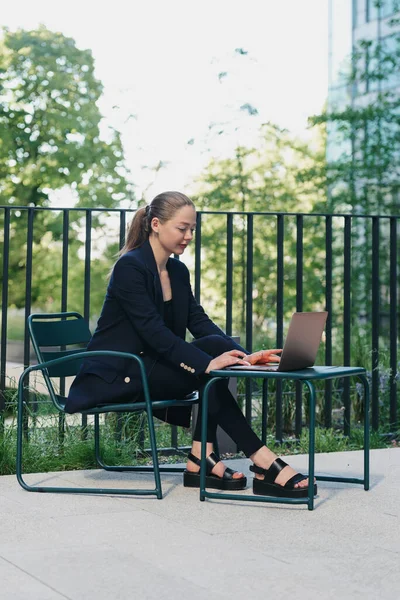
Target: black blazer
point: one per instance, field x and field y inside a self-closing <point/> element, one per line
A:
<point x="132" y="321"/>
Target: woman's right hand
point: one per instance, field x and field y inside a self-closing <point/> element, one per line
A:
<point x="232" y="357"/>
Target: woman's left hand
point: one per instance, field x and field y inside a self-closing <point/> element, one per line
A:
<point x="263" y="357"/>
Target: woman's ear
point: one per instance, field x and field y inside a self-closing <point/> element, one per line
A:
<point x="155" y="224"/>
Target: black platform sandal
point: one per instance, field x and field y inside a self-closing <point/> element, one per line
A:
<point x="226" y="482"/>
<point x="268" y="487"/>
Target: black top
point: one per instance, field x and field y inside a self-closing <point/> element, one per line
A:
<point x="168" y="314"/>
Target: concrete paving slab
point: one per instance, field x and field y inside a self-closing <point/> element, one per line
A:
<point x="121" y="547"/>
<point x="55" y="504"/>
<point x="18" y="585"/>
<point x="103" y="572"/>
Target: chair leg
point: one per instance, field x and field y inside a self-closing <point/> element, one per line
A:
<point x="126" y="468"/>
<point x="138" y="468"/>
<point x="98" y="456"/>
<point x="68" y="490"/>
<point x="20" y="417"/>
<point x="153" y="446"/>
<point x="97" y="443"/>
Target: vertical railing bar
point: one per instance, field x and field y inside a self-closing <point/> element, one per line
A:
<point x="299" y="263"/>
<point x="28" y="295"/>
<point x="174" y="436"/>
<point x="197" y="291"/>
<point x="299" y="308"/>
<point x="120" y="418"/>
<point x="88" y="256"/>
<point x="249" y="309"/>
<point x="28" y="284"/>
<point x="4" y="308"/>
<point x="394" y="368"/>
<point x="197" y="259"/>
<point x="328" y="326"/>
<point x="122" y="228"/>
<point x="264" y="411"/>
<point x="347" y="320"/>
<point x="86" y="287"/>
<point x="279" y="321"/>
<point x="279" y="291"/>
<point x="64" y="305"/>
<point x="229" y="273"/>
<point x="375" y="323"/>
<point x="249" y="285"/>
<point x="64" y="272"/>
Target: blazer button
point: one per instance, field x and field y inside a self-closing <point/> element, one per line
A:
<point x="141" y="353"/>
<point x="127" y="379"/>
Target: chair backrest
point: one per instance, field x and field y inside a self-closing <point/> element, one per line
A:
<point x="51" y="333"/>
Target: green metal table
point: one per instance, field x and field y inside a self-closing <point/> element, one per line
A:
<point x="307" y="377"/>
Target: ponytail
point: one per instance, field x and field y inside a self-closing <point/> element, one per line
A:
<point x="138" y="232"/>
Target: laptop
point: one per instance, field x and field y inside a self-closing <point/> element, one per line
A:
<point x="301" y="344"/>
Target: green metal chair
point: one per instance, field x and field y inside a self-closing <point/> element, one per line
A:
<point x="51" y="335"/>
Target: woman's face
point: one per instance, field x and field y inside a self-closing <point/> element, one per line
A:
<point x="174" y="235"/>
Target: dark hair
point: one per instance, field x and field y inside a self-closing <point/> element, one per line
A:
<point x="163" y="206"/>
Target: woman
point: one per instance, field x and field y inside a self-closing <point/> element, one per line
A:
<point x="148" y="307"/>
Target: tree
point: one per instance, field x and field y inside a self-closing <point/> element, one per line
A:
<point x="264" y="178"/>
<point x="50" y="139"/>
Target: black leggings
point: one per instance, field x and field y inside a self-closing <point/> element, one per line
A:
<point x="222" y="407"/>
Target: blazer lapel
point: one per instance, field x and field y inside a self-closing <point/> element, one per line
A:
<point x="179" y="289"/>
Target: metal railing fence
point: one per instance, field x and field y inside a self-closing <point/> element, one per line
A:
<point x="250" y="272"/>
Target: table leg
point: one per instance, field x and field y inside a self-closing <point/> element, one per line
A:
<point x="204" y="418"/>
<point x="311" y="445"/>
<point x="365" y="383"/>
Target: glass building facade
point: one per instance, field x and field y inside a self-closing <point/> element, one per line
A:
<point x="364" y="50"/>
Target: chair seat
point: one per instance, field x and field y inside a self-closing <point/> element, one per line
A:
<point x="189" y="400"/>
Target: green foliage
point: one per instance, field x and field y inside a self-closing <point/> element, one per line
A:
<point x="50" y="139"/>
<point x="49" y="123"/>
<point x="265" y="178"/>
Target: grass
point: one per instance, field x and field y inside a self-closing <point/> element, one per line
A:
<point x="46" y="451"/>
<point x="123" y="438"/>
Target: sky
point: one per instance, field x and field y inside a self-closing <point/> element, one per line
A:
<point x="159" y="62"/>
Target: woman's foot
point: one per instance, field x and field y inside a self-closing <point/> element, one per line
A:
<point x="219" y="468"/>
<point x="264" y="458"/>
<point x="217" y="476"/>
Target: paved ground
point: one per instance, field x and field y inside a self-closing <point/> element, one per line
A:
<point x="55" y="546"/>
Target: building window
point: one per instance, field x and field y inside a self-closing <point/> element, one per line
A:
<point x="381" y="9"/>
<point x="390" y="50"/>
<point x="372" y="10"/>
<point x="355" y="20"/>
<point x="388" y="8"/>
